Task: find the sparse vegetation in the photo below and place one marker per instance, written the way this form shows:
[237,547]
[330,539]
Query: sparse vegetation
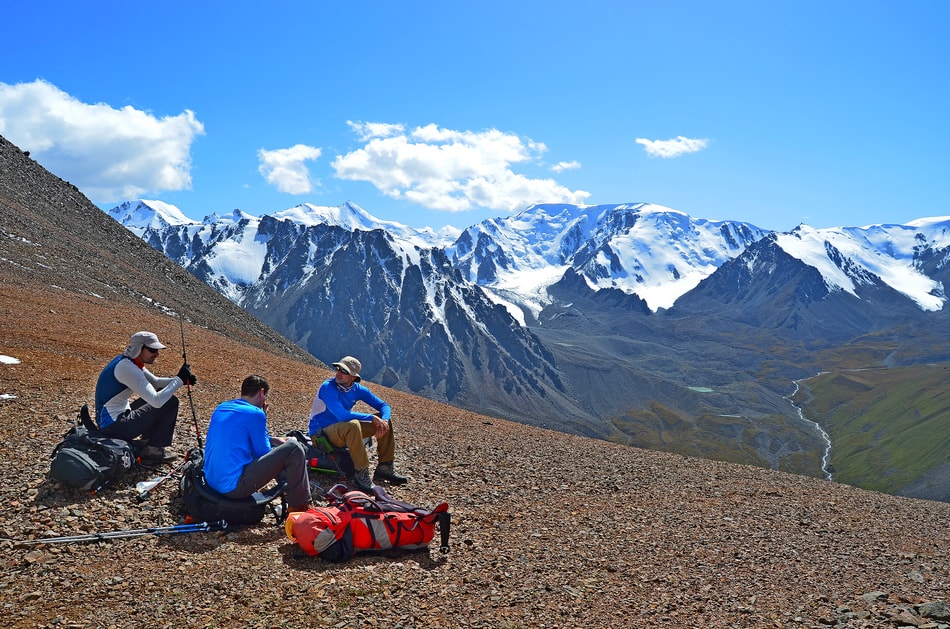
[889,427]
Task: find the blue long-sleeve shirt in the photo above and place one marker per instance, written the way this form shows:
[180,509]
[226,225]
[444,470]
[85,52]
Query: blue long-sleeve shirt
[237,435]
[334,404]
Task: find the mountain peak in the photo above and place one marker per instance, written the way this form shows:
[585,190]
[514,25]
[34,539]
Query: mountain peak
[144,213]
[349,216]
[943,221]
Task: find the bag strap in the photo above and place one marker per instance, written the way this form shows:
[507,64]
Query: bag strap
[445,522]
[388,503]
[341,496]
[85,419]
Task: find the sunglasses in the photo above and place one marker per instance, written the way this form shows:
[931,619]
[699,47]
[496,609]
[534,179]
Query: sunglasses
[154,351]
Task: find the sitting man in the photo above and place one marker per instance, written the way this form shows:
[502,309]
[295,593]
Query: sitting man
[241,456]
[332,415]
[154,413]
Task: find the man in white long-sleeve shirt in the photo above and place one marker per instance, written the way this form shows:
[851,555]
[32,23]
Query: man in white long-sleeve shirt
[153,415]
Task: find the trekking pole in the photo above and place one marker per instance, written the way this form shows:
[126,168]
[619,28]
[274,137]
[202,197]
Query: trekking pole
[145,487]
[184,357]
[158,530]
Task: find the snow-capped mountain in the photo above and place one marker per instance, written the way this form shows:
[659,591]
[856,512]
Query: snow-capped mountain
[648,250]
[515,315]
[141,216]
[352,217]
[834,283]
[882,285]
[892,255]
[232,250]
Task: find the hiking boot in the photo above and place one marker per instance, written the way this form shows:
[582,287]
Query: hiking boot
[155,453]
[362,481]
[386,472]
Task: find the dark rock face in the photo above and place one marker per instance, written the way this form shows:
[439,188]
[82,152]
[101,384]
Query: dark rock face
[412,321]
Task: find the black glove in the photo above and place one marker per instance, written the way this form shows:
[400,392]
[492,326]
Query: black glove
[186,376]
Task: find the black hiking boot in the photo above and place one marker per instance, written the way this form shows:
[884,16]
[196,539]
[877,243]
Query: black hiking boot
[386,472]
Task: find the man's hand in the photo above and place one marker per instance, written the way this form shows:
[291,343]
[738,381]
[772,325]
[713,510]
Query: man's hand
[186,376]
[381,425]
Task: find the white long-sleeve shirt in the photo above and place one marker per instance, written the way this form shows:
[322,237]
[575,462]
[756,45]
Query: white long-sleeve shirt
[120,379]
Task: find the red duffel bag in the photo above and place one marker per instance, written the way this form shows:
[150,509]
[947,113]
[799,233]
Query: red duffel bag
[356,522]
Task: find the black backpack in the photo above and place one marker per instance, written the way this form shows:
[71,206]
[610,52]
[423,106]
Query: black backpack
[88,460]
[204,504]
[324,457]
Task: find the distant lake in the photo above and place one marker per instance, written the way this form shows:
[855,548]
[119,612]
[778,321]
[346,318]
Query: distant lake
[700,389]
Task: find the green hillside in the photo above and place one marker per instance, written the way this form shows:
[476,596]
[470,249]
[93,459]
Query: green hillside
[889,428]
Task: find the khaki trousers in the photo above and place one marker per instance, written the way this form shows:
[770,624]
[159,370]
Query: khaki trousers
[350,434]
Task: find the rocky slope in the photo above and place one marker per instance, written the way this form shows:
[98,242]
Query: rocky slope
[549,529]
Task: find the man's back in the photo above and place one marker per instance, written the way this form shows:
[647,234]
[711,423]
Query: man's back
[237,434]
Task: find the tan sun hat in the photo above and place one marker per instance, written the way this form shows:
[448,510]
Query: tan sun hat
[140,340]
[349,365]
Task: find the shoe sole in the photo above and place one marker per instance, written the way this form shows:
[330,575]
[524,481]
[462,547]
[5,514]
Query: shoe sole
[388,481]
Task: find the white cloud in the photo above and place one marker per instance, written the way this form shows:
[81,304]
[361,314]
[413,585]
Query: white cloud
[368,130]
[560,167]
[445,169]
[672,148]
[110,154]
[286,169]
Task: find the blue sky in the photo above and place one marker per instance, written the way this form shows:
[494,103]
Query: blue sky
[435,113]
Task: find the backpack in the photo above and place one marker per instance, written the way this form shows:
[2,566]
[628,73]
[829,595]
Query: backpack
[204,504]
[88,460]
[356,522]
[324,457]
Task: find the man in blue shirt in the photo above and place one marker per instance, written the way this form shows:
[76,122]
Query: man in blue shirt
[240,455]
[332,414]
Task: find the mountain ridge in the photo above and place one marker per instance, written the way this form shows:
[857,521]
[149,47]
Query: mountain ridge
[900,242]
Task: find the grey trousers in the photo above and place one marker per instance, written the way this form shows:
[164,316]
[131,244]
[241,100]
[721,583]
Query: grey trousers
[287,461]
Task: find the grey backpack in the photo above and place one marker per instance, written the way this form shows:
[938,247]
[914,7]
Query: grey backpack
[88,460]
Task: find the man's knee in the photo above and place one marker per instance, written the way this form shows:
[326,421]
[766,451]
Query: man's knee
[170,408]
[301,449]
[342,433]
[290,446]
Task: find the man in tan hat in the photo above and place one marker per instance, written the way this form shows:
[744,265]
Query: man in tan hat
[154,413]
[332,414]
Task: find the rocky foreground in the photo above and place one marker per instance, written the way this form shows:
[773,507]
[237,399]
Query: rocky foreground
[549,530]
